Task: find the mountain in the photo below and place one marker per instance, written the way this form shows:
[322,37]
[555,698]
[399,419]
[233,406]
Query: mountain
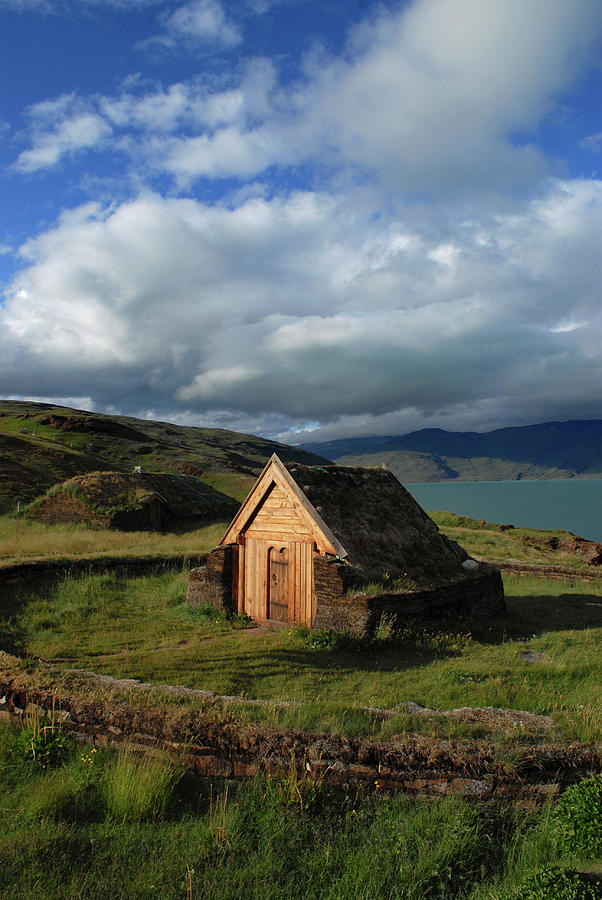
[42,445]
[549,450]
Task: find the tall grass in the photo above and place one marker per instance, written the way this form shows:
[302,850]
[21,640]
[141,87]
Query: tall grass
[23,541]
[62,837]
[137,786]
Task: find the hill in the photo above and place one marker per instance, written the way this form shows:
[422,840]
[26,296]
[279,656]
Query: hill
[42,445]
[548,450]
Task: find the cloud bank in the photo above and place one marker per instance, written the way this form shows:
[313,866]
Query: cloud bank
[386,244]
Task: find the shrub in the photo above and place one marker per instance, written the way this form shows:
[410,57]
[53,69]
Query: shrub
[385,628]
[42,740]
[299,790]
[328,639]
[578,815]
[557,883]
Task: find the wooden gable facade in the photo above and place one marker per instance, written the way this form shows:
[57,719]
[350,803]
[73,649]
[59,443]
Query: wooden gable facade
[275,536]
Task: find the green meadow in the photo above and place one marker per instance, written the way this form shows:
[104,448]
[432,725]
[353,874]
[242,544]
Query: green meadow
[101,823]
[142,628]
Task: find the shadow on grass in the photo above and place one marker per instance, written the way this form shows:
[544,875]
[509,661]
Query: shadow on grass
[537,614]
[239,673]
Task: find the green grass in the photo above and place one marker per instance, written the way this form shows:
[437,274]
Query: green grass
[142,627]
[489,543]
[62,840]
[233,484]
[26,541]
[136,787]
[22,540]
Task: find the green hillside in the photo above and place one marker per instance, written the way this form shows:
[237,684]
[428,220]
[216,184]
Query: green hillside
[42,445]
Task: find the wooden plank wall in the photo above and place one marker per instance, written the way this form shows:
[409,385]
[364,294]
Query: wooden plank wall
[255,577]
[256,553]
[276,519]
[277,523]
[303,582]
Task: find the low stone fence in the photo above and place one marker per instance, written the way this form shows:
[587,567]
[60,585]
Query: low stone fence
[477,595]
[215,747]
[129,565]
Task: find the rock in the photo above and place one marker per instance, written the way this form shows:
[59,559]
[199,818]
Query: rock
[530,656]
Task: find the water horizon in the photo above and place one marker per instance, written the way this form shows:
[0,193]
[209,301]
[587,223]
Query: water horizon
[566,504]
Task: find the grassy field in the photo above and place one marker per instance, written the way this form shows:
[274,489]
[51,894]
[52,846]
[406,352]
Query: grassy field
[106,825]
[142,627]
[23,541]
[488,542]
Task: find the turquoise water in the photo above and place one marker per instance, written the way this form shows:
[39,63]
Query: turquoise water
[573,505]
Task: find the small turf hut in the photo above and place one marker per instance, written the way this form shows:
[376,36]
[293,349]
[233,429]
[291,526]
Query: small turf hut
[137,501]
[335,546]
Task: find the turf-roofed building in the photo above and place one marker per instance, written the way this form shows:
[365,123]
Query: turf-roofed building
[335,546]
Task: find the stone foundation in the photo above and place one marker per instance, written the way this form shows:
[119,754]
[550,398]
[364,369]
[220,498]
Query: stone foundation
[477,595]
[212,583]
[340,603]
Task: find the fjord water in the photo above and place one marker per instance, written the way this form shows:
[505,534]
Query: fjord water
[573,504]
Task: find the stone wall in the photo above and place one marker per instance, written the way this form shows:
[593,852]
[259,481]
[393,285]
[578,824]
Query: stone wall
[337,605]
[130,565]
[215,748]
[212,584]
[477,595]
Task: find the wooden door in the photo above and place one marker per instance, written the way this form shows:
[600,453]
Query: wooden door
[278,584]
[274,584]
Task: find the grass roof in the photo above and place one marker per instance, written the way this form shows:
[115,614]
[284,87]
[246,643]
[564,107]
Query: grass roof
[110,492]
[378,522]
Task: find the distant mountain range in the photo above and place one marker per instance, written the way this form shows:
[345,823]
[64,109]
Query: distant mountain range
[549,450]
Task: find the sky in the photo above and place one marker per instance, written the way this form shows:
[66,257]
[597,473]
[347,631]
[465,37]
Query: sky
[307,220]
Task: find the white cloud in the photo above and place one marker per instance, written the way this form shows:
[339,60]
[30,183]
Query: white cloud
[430,96]
[196,23]
[60,127]
[425,100]
[291,310]
[592,142]
[354,304]
[205,21]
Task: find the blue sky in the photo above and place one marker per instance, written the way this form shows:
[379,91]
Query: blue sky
[311,219]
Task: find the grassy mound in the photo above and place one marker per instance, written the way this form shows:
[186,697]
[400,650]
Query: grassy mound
[132,501]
